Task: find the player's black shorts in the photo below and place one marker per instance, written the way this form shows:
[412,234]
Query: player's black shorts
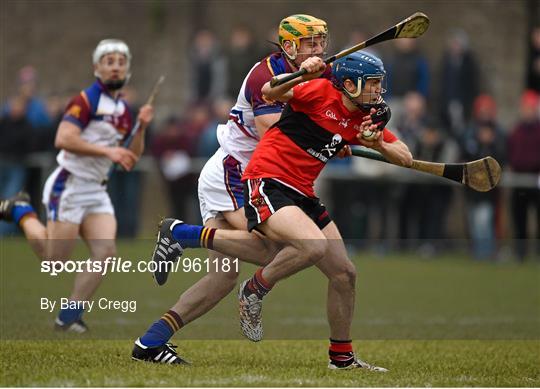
[264,196]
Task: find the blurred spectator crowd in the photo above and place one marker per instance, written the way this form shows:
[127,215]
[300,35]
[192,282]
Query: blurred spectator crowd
[444,116]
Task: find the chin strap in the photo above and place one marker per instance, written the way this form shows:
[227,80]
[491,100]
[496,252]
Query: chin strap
[292,57]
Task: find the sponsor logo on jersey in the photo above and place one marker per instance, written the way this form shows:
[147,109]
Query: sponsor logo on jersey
[342,122]
[328,151]
[317,155]
[331,114]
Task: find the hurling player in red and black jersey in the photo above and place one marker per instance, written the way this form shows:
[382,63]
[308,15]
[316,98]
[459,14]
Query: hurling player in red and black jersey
[320,120]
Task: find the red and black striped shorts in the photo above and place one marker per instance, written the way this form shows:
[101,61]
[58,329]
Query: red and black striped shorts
[264,196]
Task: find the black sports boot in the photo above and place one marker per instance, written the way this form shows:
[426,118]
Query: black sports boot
[162,354]
[167,250]
[6,206]
[347,361]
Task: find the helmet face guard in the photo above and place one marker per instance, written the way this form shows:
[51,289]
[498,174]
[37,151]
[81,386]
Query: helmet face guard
[108,46]
[296,53]
[298,27]
[360,67]
[372,98]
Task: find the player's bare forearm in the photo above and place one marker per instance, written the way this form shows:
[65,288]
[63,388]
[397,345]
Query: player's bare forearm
[146,114]
[137,145]
[397,152]
[68,137]
[281,92]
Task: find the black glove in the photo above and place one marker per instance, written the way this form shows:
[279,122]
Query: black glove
[382,116]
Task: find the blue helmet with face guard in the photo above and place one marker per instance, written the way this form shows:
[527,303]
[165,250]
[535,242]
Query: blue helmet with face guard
[357,67]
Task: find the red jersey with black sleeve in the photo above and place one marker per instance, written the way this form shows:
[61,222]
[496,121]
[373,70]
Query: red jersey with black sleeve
[314,126]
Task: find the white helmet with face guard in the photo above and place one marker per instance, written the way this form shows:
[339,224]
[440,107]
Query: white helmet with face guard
[107,46]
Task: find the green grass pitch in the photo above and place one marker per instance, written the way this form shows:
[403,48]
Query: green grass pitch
[442,322]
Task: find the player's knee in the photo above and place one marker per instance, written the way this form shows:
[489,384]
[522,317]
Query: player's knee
[229,278]
[314,250]
[350,274]
[226,279]
[346,277]
[271,250]
[103,250]
[58,250]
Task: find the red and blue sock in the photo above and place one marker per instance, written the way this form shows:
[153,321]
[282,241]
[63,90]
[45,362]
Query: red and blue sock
[162,330]
[189,235]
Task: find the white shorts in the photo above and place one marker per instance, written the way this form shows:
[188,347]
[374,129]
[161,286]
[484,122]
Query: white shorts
[220,186]
[68,198]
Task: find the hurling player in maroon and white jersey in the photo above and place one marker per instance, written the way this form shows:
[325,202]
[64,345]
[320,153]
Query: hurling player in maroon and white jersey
[75,196]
